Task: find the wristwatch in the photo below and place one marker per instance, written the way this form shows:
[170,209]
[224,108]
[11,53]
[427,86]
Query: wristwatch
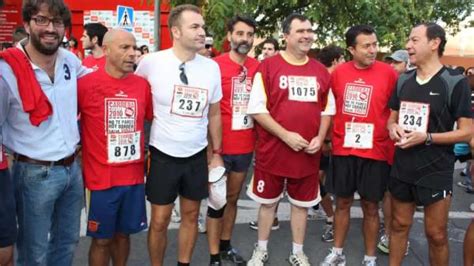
[429,139]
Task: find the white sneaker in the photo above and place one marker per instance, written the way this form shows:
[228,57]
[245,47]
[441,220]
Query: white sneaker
[369,263]
[201,224]
[356,196]
[298,259]
[175,218]
[259,257]
[316,214]
[333,259]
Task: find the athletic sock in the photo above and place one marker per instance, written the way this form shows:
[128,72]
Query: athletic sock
[183,263]
[338,251]
[369,258]
[297,248]
[224,245]
[215,258]
[262,244]
[330,220]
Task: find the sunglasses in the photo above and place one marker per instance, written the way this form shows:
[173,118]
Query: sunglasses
[243,74]
[182,74]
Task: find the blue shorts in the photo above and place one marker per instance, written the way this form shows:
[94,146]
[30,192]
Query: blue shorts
[237,162]
[8,228]
[117,210]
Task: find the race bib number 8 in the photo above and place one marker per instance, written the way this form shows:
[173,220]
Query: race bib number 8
[302,89]
[414,116]
[188,101]
[123,147]
[359,135]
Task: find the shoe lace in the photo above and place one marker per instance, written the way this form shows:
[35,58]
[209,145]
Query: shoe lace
[300,259]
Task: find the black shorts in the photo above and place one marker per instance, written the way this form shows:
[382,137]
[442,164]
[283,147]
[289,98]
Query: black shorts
[237,162]
[368,177]
[324,162]
[421,196]
[170,176]
[8,227]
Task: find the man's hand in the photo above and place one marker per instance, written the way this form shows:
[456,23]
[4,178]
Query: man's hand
[215,161]
[295,141]
[314,146]
[411,139]
[396,132]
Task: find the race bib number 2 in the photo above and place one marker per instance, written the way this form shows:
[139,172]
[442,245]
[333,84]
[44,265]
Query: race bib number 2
[188,101]
[359,135]
[414,116]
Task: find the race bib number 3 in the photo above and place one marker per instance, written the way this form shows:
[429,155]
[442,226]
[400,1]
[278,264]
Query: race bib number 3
[188,101]
[357,99]
[123,147]
[302,89]
[240,101]
[414,116]
[359,135]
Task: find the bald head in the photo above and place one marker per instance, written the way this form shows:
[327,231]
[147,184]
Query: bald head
[119,49]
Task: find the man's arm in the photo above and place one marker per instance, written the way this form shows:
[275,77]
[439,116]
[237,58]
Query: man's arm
[215,135]
[396,133]
[4,107]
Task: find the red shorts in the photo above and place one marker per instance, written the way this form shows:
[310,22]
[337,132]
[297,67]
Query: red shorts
[266,188]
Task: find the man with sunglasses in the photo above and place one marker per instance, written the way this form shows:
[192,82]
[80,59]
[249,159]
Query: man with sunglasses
[289,93]
[238,136]
[41,129]
[186,90]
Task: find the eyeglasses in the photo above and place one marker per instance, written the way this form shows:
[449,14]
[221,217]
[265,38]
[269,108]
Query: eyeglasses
[243,74]
[44,21]
[182,74]
[207,46]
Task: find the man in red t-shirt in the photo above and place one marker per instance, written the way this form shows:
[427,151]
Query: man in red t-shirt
[114,103]
[92,39]
[362,149]
[238,136]
[8,227]
[288,95]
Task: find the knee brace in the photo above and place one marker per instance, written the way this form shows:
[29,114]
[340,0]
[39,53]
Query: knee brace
[216,214]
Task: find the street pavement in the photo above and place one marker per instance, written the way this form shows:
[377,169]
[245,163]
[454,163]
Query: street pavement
[280,240]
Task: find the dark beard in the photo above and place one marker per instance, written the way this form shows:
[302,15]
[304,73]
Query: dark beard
[241,48]
[46,50]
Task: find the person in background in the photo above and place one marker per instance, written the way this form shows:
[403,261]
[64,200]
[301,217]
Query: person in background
[92,38]
[73,47]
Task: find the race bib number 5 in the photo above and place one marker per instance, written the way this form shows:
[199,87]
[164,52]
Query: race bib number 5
[414,116]
[359,135]
[188,101]
[240,100]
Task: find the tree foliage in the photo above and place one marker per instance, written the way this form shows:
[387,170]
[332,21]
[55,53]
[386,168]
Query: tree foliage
[392,19]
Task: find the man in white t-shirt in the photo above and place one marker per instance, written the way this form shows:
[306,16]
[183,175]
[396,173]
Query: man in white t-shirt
[186,92]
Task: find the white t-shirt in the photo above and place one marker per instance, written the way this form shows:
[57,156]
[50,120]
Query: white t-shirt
[180,111]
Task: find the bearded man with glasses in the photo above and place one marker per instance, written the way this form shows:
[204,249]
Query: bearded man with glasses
[38,103]
[186,92]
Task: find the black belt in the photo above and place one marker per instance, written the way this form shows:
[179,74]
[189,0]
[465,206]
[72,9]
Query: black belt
[67,161]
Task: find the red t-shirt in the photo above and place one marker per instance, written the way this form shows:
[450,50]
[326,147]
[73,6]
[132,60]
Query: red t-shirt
[362,97]
[112,128]
[238,136]
[279,78]
[3,159]
[94,63]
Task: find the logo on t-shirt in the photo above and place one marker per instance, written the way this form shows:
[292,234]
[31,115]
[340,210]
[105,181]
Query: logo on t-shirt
[357,99]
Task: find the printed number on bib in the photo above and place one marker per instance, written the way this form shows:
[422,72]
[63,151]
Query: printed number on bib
[414,116]
[188,101]
[123,147]
[359,135]
[240,101]
[302,89]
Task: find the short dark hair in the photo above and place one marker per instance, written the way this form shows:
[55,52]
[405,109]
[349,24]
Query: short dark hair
[355,31]
[434,31]
[96,30]
[19,34]
[57,8]
[175,13]
[271,41]
[244,19]
[330,53]
[75,41]
[286,25]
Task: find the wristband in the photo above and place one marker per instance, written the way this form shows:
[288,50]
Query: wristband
[429,139]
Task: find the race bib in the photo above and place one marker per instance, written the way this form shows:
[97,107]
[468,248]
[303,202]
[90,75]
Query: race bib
[240,101]
[414,116]
[357,99]
[302,89]
[123,139]
[359,135]
[188,101]
[123,147]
